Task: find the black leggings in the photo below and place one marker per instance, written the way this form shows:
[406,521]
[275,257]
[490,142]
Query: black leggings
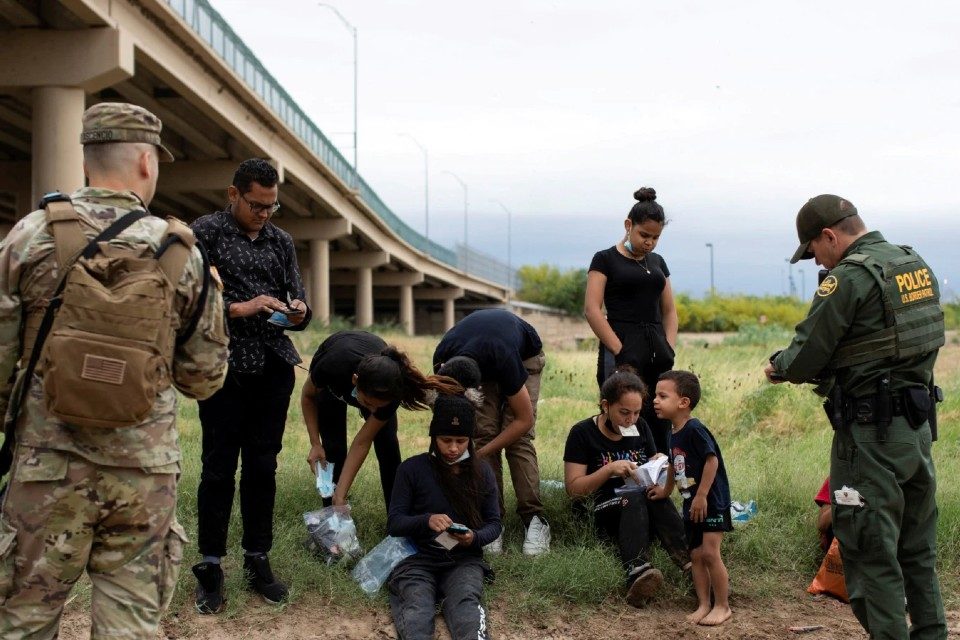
[332,422]
[632,521]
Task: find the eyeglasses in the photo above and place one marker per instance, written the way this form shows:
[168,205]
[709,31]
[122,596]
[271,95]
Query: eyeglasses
[258,207]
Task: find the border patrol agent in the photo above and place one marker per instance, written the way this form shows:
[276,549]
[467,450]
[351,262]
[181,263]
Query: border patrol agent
[99,498]
[870,340]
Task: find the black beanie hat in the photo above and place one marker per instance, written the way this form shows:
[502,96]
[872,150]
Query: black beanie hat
[453,415]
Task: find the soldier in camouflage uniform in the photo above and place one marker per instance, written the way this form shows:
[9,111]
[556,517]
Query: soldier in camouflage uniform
[870,341]
[100,500]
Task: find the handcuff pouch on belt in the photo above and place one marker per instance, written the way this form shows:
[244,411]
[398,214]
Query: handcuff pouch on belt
[916,404]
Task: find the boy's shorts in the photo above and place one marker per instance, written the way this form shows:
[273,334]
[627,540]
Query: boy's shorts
[714,522]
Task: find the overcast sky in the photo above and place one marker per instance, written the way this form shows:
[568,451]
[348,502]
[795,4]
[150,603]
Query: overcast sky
[736,112]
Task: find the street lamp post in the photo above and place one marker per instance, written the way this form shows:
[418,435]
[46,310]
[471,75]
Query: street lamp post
[466,248]
[803,283]
[709,245]
[426,185]
[353,32]
[790,280]
[509,252]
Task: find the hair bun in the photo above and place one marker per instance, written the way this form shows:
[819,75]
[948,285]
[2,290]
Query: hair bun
[645,194]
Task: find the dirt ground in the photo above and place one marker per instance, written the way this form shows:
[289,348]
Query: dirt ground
[306,621]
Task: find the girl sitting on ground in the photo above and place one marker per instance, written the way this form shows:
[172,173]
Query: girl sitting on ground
[446,502]
[602,451]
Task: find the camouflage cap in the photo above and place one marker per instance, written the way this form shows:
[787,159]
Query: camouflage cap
[122,122]
[819,213]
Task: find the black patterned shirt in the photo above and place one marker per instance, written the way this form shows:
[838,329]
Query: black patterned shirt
[249,268]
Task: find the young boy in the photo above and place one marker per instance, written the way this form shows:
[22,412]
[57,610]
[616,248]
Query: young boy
[697,470]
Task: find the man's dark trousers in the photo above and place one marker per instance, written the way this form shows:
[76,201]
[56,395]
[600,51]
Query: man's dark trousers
[244,420]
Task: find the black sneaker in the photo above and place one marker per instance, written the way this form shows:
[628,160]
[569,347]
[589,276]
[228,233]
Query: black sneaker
[646,583]
[210,597]
[260,579]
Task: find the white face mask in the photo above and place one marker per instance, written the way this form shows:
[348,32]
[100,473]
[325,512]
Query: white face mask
[463,456]
[629,431]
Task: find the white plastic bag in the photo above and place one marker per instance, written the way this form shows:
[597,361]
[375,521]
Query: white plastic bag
[375,567]
[332,535]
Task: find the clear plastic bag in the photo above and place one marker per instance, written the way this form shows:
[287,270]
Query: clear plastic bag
[375,567]
[332,535]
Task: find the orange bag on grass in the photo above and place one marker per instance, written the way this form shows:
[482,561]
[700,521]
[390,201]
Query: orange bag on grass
[830,579]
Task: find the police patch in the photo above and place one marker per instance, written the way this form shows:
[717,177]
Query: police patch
[828,286]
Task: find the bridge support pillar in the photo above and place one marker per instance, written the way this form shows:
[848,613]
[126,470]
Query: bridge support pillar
[448,314]
[320,280]
[406,308]
[56,150]
[364,297]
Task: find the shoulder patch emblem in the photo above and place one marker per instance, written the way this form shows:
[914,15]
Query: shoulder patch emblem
[828,286]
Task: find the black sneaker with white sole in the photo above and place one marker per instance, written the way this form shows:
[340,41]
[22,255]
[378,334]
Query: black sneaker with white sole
[261,579]
[210,596]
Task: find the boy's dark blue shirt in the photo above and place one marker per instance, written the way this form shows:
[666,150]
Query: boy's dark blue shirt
[689,449]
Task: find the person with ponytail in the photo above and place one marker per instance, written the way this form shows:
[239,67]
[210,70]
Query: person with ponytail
[633,284]
[602,451]
[359,369]
[446,502]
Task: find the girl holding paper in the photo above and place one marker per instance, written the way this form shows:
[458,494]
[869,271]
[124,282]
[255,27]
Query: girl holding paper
[601,453]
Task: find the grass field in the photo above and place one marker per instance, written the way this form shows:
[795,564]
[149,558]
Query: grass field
[775,442]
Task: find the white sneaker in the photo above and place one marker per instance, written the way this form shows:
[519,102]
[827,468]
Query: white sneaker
[494,547]
[537,540]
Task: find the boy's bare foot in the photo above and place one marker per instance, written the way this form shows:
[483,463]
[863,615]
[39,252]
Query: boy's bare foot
[717,616]
[699,614]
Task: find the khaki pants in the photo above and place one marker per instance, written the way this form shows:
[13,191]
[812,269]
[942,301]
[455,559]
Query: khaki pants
[492,418]
[62,515]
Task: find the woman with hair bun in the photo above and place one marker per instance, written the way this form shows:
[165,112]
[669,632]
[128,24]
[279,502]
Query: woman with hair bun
[633,284]
[359,369]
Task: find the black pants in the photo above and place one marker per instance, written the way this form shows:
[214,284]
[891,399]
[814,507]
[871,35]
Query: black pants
[418,583]
[645,348]
[632,522]
[332,422]
[245,419]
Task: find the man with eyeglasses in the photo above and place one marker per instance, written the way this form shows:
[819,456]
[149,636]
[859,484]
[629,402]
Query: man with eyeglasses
[263,293]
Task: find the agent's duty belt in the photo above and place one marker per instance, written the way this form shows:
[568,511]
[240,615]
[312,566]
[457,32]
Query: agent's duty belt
[866,410]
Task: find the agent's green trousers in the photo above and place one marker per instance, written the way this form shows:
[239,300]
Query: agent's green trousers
[888,543]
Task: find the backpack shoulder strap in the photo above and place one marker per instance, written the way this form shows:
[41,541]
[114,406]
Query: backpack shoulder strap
[68,236]
[174,250]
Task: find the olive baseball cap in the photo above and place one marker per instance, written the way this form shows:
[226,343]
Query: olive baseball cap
[819,213]
[122,122]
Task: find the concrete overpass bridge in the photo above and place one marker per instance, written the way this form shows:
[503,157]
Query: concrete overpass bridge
[219,105]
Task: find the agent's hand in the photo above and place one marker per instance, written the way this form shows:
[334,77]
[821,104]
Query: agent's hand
[772,376]
[656,492]
[464,539]
[698,509]
[439,522]
[621,468]
[317,454]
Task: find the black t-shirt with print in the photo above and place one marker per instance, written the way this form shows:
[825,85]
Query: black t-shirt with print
[336,360]
[587,445]
[631,294]
[689,450]
[498,340]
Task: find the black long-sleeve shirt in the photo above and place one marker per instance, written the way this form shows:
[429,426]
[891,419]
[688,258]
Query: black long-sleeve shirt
[417,495]
[248,268]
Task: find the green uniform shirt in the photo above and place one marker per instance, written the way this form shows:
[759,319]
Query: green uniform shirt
[850,305]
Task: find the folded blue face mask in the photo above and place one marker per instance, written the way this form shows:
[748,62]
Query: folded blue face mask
[354,394]
[628,246]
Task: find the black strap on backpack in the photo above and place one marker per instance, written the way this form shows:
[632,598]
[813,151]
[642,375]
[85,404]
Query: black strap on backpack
[111,232]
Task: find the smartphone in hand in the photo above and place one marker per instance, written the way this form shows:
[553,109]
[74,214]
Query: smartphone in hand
[458,528]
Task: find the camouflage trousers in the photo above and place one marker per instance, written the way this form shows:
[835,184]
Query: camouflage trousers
[62,515]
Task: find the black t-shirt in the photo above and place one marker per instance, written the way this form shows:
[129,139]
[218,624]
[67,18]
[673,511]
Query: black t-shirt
[336,361]
[587,445]
[498,340]
[689,449]
[631,294]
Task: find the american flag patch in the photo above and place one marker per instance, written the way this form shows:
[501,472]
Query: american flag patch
[100,369]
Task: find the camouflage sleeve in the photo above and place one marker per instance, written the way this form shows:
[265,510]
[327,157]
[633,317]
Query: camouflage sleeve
[834,307]
[200,361]
[10,313]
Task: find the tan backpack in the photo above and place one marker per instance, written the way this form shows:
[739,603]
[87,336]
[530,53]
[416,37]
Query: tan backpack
[106,337]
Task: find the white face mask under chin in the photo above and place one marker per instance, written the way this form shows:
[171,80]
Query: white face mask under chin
[629,431]
[463,456]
